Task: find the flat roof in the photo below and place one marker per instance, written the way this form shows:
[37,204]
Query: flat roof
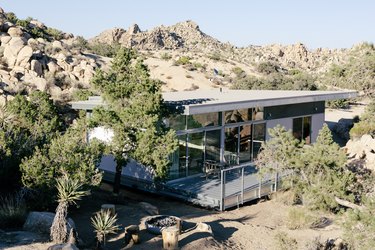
[205,101]
[215,100]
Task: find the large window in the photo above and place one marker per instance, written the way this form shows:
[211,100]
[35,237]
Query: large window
[242,143]
[302,129]
[203,120]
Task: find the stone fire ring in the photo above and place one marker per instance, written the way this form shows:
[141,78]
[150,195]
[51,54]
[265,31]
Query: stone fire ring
[156,224]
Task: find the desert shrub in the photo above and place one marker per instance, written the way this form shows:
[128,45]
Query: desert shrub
[357,72]
[285,242]
[54,33]
[104,223]
[366,124]
[82,94]
[183,60]
[267,67]
[338,104]
[169,77]
[165,56]
[103,49]
[11,17]
[359,226]
[189,76]
[298,217]
[216,56]
[12,210]
[239,72]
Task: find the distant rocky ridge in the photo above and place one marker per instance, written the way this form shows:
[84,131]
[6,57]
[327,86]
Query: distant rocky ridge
[60,67]
[181,35]
[187,36]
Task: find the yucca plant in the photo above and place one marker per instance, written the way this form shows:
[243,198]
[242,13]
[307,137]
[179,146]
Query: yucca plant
[104,223]
[68,193]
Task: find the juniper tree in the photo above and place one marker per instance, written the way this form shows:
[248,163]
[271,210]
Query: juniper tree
[279,154]
[134,111]
[25,124]
[328,176]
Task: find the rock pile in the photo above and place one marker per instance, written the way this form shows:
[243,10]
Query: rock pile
[362,149]
[28,63]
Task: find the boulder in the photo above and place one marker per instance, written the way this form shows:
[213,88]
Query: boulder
[38,24]
[7,26]
[13,48]
[15,32]
[37,67]
[148,208]
[24,55]
[4,40]
[41,222]
[53,67]
[203,227]
[57,44]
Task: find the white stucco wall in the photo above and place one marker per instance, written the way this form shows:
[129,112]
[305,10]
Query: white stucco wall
[101,133]
[287,123]
[317,122]
[132,169]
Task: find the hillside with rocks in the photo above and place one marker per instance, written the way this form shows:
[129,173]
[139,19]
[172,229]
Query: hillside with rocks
[182,56]
[29,62]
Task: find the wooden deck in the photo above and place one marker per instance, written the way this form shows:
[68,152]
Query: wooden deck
[209,192]
[239,185]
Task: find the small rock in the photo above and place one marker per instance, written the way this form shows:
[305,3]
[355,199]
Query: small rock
[203,227]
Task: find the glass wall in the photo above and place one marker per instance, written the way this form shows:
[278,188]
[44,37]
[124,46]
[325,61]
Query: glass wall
[231,145]
[212,147]
[259,136]
[238,115]
[203,120]
[202,139]
[245,143]
[196,153]
[302,129]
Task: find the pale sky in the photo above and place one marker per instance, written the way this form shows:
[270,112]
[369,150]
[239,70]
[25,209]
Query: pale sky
[316,23]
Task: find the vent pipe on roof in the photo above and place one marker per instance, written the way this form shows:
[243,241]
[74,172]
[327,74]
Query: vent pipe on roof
[221,90]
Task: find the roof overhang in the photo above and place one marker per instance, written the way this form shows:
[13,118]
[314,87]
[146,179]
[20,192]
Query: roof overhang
[199,102]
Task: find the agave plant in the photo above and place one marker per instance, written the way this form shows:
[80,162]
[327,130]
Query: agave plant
[68,193]
[104,223]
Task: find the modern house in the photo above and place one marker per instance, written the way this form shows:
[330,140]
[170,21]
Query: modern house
[220,132]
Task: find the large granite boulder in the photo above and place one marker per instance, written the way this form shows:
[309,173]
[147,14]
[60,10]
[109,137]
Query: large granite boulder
[41,222]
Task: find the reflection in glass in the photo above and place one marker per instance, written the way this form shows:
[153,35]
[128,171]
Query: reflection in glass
[240,115]
[297,128]
[306,134]
[231,145]
[258,113]
[196,153]
[203,120]
[245,144]
[259,136]
[212,148]
[302,129]
[177,122]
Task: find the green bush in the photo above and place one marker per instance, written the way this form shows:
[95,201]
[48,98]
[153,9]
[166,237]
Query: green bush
[165,56]
[82,94]
[267,67]
[338,104]
[103,49]
[239,72]
[183,60]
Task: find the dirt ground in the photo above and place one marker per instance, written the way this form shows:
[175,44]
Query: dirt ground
[253,226]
